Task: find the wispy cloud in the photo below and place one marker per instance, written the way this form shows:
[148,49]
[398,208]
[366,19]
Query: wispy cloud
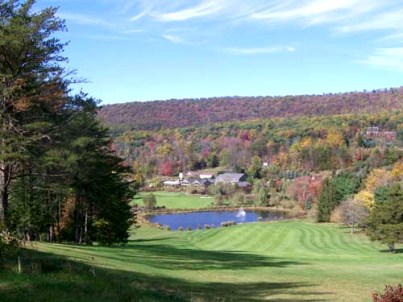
[380,21]
[174,39]
[259,50]
[84,19]
[203,9]
[386,58]
[343,16]
[139,15]
[314,12]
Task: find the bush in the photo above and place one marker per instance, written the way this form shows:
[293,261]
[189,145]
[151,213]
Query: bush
[150,201]
[9,245]
[228,223]
[390,294]
[238,198]
[189,228]
[180,228]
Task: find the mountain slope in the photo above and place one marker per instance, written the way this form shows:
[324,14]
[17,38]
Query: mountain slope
[192,112]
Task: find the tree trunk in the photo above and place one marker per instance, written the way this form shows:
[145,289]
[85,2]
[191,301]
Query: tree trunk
[4,183]
[391,246]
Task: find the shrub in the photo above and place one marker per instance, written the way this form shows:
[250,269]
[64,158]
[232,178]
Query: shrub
[390,294]
[150,201]
[9,245]
[180,228]
[238,198]
[189,228]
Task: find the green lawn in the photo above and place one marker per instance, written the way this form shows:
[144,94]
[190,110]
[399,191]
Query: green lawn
[282,261]
[177,200]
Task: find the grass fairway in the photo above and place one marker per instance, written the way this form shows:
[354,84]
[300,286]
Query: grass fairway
[177,200]
[282,261]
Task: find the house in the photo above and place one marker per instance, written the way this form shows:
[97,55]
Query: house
[188,181]
[232,178]
[172,183]
[372,131]
[202,182]
[196,182]
[389,135]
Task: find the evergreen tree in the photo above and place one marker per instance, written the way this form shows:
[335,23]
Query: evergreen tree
[32,87]
[385,222]
[334,190]
[327,201]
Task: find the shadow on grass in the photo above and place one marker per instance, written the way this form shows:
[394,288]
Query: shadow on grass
[46,277]
[396,251]
[171,257]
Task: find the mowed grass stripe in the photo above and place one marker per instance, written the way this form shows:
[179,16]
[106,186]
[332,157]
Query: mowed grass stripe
[226,235]
[237,237]
[259,241]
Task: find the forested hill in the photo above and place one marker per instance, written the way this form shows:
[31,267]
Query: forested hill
[189,112]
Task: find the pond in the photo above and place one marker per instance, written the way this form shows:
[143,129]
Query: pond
[195,219]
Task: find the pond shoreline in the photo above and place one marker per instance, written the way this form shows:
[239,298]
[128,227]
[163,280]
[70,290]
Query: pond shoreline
[144,217]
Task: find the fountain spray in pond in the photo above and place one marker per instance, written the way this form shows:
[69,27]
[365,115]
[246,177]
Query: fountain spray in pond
[241,214]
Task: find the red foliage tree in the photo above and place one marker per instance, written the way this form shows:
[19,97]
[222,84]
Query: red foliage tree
[166,168]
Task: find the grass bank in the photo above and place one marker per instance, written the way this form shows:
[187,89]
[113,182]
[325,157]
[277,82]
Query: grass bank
[177,200]
[282,261]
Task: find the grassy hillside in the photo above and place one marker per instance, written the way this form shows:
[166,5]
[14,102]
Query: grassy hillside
[177,200]
[285,261]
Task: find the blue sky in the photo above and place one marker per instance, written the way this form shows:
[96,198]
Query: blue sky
[143,50]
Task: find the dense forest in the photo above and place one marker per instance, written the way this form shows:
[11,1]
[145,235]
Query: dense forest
[300,144]
[196,112]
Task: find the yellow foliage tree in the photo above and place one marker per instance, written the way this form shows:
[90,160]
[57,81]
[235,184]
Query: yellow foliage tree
[335,139]
[397,171]
[378,178]
[306,142]
[367,198]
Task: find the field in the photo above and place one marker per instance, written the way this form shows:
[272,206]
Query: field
[281,261]
[177,200]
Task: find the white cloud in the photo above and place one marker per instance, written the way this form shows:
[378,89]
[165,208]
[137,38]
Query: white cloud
[386,58]
[84,19]
[314,12]
[139,15]
[379,21]
[203,9]
[172,38]
[260,50]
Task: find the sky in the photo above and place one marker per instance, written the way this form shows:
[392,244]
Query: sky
[145,50]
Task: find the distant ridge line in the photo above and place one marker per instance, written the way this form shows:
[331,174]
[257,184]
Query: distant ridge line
[153,115]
